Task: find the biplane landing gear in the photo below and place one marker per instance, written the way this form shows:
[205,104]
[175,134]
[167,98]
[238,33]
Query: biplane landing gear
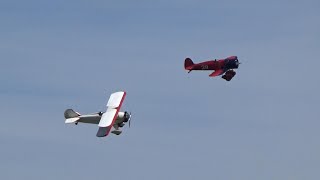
[116,132]
[121,124]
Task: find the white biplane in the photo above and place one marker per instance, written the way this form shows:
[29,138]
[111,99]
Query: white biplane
[112,118]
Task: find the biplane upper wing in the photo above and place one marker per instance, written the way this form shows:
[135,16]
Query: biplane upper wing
[217,73]
[109,117]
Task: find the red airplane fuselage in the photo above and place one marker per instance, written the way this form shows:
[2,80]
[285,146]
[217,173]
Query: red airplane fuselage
[207,65]
[220,66]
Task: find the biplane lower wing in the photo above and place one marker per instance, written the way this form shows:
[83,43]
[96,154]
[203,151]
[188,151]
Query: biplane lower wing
[109,117]
[103,131]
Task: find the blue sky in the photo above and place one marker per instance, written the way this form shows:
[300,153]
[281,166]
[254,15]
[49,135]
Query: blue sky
[263,124]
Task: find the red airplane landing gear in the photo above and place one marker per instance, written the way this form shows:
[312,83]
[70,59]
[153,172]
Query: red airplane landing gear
[229,75]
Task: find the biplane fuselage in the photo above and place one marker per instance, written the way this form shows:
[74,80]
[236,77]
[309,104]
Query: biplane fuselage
[111,119]
[95,118]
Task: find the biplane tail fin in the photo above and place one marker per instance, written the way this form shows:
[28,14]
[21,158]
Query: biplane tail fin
[71,116]
[188,63]
[70,113]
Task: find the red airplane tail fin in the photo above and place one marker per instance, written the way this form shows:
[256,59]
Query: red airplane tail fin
[188,63]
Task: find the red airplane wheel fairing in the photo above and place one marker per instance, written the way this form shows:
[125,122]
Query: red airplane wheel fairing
[229,75]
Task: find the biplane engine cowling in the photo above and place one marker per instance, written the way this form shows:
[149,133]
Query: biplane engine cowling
[120,115]
[123,116]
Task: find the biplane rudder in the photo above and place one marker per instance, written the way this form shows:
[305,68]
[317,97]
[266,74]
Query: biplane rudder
[70,113]
[71,116]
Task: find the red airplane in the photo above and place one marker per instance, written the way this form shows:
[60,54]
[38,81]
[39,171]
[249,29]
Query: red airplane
[221,66]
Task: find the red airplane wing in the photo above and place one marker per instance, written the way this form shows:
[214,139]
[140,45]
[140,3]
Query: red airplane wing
[217,73]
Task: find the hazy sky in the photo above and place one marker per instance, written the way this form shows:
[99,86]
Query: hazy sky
[264,124]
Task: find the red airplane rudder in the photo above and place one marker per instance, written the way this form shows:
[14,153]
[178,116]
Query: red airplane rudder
[188,63]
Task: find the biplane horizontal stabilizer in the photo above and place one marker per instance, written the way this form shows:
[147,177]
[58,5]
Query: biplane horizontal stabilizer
[72,120]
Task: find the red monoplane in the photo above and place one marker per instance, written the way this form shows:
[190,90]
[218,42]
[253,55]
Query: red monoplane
[221,66]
